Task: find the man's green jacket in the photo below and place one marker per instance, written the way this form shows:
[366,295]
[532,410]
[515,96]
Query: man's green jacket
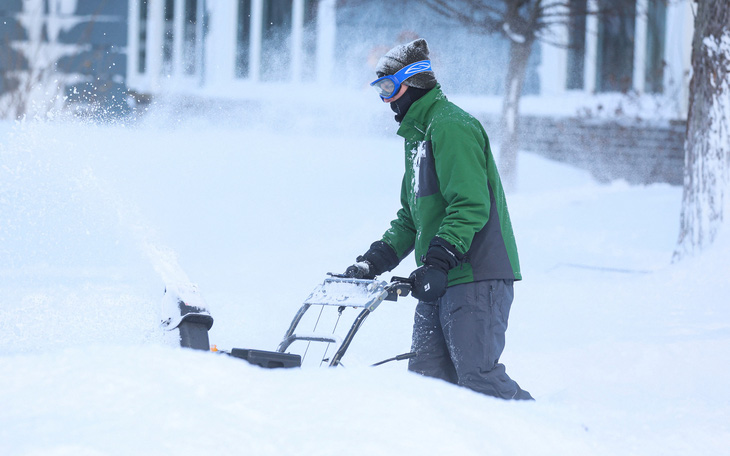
[451,189]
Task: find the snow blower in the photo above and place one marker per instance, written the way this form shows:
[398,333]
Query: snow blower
[185,310]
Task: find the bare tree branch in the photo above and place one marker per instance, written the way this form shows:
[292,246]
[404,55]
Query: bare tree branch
[470,13]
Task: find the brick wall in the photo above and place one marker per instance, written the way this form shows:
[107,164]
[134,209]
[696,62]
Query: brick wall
[638,152]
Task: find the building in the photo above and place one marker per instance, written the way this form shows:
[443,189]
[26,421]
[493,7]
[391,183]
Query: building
[632,63]
[227,48]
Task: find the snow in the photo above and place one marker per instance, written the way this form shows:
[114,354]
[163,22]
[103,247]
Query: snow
[418,153]
[348,293]
[625,352]
[41,88]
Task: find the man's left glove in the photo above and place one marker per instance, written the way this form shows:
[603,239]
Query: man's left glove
[431,279]
[379,258]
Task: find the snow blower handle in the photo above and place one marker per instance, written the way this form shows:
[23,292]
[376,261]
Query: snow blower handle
[398,287]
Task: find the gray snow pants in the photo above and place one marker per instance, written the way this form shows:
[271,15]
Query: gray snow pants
[460,337]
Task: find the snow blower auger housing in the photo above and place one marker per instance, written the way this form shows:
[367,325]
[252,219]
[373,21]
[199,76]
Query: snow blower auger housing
[184,309]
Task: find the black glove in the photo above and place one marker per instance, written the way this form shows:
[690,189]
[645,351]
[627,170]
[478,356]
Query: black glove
[431,279]
[379,258]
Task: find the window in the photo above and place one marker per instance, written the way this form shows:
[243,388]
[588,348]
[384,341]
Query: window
[142,48]
[276,40]
[655,31]
[309,40]
[243,39]
[190,32]
[576,44]
[615,63]
[260,41]
[167,39]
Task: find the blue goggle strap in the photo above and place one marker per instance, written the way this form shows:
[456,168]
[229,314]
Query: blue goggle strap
[414,68]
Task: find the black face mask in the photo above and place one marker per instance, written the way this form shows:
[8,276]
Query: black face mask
[401,105]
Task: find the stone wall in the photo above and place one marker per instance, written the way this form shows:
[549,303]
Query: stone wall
[638,152]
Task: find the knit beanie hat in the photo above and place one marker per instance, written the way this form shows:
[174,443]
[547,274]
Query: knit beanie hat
[403,55]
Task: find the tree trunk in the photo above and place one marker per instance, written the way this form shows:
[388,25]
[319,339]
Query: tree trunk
[519,53]
[706,195]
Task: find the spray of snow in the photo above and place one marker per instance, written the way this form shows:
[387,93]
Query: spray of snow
[40,87]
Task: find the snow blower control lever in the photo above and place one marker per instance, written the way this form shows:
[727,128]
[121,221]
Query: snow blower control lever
[398,287]
[340,292]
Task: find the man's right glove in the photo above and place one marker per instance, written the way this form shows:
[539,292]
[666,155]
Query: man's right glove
[431,279]
[379,258]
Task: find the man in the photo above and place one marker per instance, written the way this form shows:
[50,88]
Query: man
[454,215]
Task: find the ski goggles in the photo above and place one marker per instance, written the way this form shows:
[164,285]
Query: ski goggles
[388,86]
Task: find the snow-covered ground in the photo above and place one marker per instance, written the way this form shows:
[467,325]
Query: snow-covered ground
[625,353]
